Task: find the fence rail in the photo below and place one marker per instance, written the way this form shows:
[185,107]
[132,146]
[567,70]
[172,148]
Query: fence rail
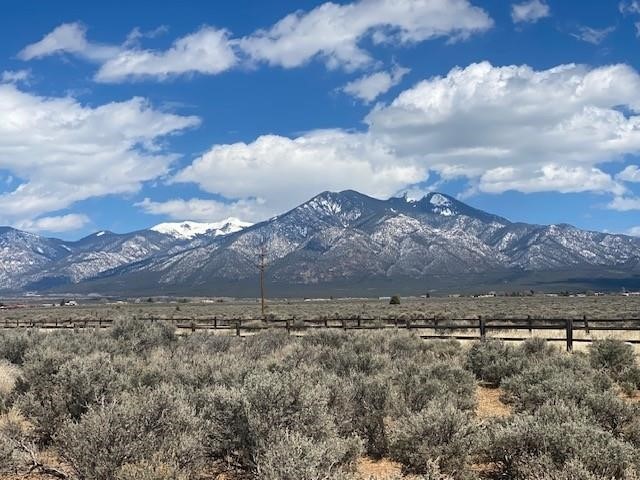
[453,328]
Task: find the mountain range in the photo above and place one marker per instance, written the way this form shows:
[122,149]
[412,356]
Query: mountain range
[338,243]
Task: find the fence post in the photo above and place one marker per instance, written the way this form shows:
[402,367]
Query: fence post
[344,324]
[530,324]
[237,329]
[483,326]
[288,327]
[569,323]
[586,324]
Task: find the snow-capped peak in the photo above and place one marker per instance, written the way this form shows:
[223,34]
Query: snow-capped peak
[188,229]
[441,205]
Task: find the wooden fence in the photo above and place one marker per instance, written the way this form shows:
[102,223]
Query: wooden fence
[453,328]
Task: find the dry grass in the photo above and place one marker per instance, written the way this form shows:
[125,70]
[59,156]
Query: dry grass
[537,306]
[368,469]
[8,376]
[489,403]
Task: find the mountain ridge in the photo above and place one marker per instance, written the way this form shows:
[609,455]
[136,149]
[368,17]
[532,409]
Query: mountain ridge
[332,241]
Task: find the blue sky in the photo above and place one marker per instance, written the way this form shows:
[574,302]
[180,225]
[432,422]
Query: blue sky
[118,116]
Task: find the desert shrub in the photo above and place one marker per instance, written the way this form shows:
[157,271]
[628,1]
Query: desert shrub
[223,416]
[438,433]
[140,336]
[492,360]
[138,426]
[536,347]
[395,300]
[293,456]
[609,411]
[543,468]
[371,400]
[629,380]
[560,433]
[281,400]
[14,345]
[263,345]
[68,392]
[565,377]
[612,355]
[418,385]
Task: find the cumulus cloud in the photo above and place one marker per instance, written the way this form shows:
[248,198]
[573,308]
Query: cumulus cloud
[331,32]
[529,12]
[630,174]
[334,32]
[55,224]
[64,152]
[593,35]
[370,87]
[634,231]
[202,210]
[284,172]
[482,117]
[500,128]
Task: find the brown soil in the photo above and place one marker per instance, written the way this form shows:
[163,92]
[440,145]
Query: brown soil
[489,403]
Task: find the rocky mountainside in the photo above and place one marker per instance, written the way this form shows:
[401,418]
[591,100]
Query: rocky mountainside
[343,243]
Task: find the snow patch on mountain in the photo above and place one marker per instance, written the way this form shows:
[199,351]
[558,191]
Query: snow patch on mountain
[188,230]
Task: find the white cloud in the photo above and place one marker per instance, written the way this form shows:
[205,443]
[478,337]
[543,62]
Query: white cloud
[55,224]
[624,204]
[331,32]
[207,51]
[284,172]
[630,174]
[64,152]
[334,32]
[370,87]
[634,231]
[501,128]
[548,178]
[530,11]
[68,38]
[539,124]
[593,35]
[15,76]
[201,210]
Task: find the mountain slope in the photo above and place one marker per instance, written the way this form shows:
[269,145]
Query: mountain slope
[354,241]
[342,242]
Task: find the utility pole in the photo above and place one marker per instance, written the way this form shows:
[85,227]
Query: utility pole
[262,266]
